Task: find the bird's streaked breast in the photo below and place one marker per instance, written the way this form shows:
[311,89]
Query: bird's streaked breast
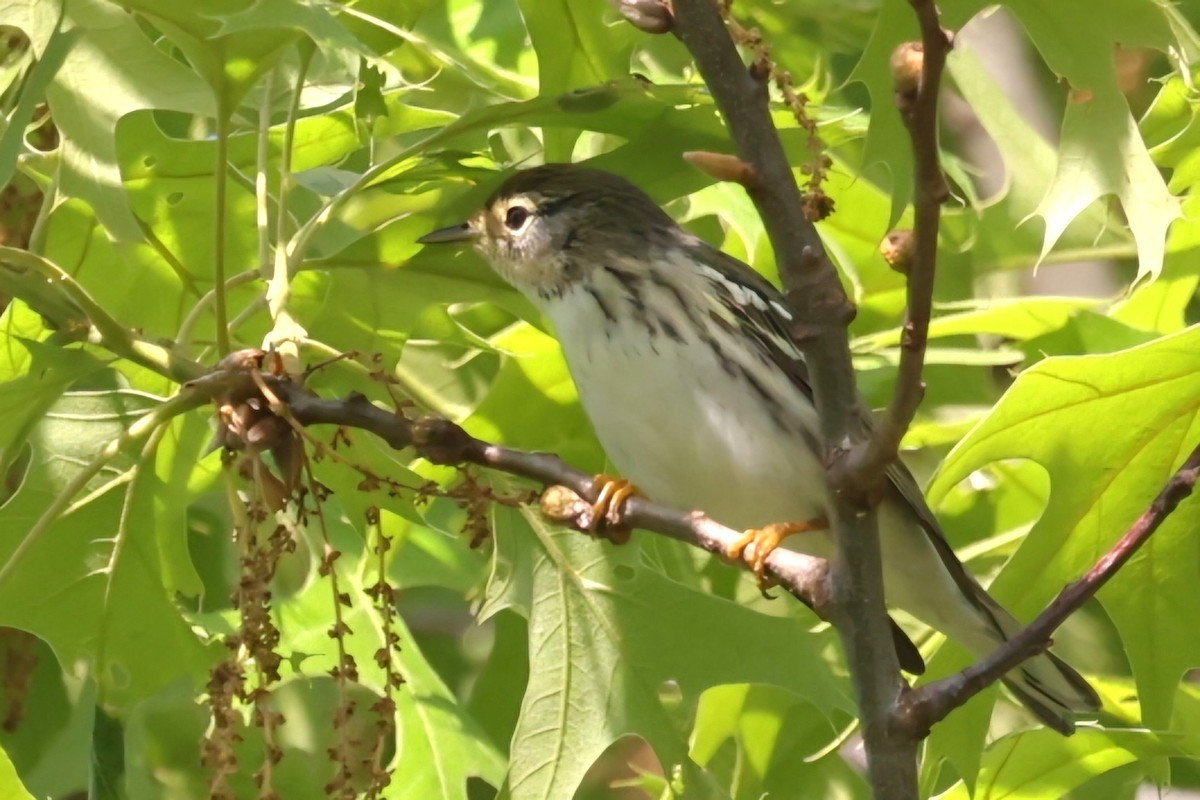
[686,406]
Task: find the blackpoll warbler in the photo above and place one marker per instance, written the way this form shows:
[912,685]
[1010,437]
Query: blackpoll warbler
[685,366]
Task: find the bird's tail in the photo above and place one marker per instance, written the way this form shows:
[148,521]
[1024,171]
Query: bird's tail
[923,576]
[1045,684]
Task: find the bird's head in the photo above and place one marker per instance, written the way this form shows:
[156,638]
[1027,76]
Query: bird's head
[547,227]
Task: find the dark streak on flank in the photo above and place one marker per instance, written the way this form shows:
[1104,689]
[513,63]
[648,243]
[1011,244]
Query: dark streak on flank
[633,288]
[770,402]
[632,284]
[668,286]
[670,330]
[727,363]
[599,298]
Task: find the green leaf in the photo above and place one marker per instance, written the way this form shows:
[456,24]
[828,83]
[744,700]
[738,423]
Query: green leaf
[183,476]
[782,745]
[854,246]
[552,419]
[267,17]
[1086,333]
[162,744]
[115,275]
[424,556]
[113,52]
[496,696]
[960,738]
[886,155]
[1172,127]
[92,586]
[10,783]
[1042,764]
[1110,430]
[377,310]
[40,306]
[1162,306]
[1102,153]
[957,356]
[1101,150]
[229,63]
[1080,58]
[1030,162]
[577,43]
[356,492]
[1018,318]
[576,47]
[107,776]
[40,374]
[169,184]
[12,141]
[608,636]
[57,762]
[36,717]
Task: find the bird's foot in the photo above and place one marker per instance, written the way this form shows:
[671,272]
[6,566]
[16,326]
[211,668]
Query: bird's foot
[766,539]
[608,511]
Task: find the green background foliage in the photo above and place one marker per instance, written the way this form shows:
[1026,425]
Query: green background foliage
[296,150]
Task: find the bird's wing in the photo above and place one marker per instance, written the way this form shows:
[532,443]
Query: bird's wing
[1052,690]
[764,316]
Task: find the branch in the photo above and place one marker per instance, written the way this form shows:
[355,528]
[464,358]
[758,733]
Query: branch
[55,294]
[252,406]
[822,313]
[742,95]
[917,73]
[929,704]
[440,441]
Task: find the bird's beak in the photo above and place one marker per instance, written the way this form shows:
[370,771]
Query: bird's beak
[456,233]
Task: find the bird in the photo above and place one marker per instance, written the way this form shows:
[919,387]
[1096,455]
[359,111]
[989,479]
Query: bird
[700,397]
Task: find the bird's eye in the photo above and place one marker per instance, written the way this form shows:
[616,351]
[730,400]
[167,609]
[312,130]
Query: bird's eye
[516,217]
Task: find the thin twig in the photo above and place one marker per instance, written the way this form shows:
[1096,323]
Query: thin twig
[262,162]
[279,287]
[929,704]
[184,337]
[220,209]
[863,467]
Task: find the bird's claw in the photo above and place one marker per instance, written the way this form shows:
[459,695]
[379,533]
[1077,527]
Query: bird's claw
[765,540]
[608,511]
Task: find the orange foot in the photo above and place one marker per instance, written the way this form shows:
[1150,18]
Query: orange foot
[766,539]
[609,507]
